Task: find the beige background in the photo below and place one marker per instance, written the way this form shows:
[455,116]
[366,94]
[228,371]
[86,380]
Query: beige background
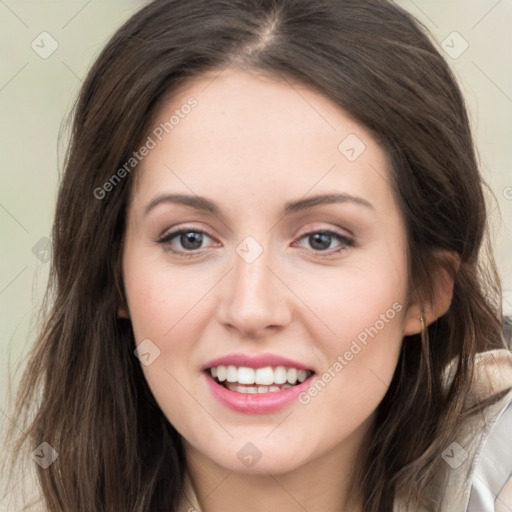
[37,93]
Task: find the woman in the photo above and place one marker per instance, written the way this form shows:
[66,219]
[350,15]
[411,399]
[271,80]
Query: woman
[267,291]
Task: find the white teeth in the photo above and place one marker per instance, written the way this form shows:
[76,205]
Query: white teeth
[255,389]
[263,377]
[221,373]
[291,375]
[246,375]
[280,375]
[231,374]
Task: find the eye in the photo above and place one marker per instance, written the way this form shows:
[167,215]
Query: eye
[321,241]
[184,240]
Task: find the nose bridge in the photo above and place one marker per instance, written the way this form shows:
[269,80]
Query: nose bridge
[255,298]
[252,277]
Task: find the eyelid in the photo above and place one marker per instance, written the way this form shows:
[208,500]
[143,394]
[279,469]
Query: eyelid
[345,240]
[342,232]
[175,231]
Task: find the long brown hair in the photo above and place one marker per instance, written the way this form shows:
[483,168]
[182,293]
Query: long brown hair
[83,391]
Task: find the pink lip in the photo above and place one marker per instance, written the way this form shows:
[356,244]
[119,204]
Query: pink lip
[256,403]
[254,361]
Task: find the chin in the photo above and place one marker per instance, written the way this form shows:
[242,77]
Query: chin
[259,457]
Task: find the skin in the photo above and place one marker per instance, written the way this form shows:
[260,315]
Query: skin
[251,153]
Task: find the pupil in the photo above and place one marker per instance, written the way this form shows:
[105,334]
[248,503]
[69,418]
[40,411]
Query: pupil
[322,239]
[191,240]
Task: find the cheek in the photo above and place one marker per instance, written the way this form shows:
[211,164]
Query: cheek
[365,307]
[166,308]
[360,365]
[356,298]
[160,300]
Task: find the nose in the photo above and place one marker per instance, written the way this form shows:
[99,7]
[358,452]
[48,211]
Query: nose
[255,300]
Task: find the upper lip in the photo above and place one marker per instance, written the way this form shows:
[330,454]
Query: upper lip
[259,361]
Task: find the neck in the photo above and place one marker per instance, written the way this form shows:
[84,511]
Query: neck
[325,483]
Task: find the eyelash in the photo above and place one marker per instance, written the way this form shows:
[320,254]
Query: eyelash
[345,241]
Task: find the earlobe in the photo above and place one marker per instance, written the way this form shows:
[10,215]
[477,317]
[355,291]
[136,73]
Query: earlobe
[417,317]
[414,320]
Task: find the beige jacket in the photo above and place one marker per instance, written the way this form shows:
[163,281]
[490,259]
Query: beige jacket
[478,476]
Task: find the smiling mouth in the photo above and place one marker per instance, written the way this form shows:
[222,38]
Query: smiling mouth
[268,379]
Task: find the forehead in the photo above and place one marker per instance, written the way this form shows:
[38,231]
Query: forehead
[250,133]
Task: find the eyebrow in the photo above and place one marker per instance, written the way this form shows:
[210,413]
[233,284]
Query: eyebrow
[204,204]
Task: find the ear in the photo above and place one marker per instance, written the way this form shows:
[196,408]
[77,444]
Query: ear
[122,309]
[122,312]
[443,293]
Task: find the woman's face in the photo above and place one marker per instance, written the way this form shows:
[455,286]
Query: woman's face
[268,277]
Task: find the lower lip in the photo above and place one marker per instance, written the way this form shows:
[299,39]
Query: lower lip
[256,403]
